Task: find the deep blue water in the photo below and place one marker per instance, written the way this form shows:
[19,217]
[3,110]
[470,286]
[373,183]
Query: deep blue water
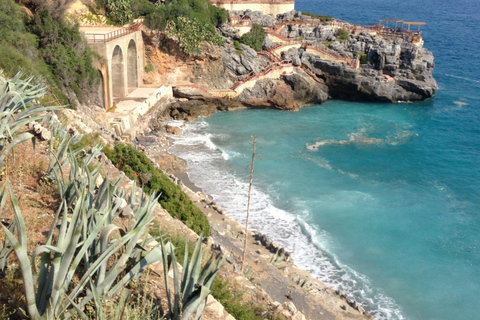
[387,207]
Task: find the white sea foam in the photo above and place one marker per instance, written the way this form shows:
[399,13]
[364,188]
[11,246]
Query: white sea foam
[360,137]
[310,246]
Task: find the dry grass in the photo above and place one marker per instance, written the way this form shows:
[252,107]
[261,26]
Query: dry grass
[38,201]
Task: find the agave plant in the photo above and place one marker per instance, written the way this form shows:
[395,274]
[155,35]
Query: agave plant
[83,246]
[192,290]
[16,110]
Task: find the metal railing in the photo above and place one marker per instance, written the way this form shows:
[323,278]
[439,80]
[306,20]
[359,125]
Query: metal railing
[107,37]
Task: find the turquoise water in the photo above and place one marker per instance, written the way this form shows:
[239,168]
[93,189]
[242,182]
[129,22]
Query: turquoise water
[386,208]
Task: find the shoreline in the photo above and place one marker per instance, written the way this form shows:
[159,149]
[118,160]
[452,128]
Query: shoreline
[312,298]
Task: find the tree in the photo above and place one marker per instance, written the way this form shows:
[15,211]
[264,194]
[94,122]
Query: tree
[120,11]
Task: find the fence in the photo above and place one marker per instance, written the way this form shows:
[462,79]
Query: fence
[106,37]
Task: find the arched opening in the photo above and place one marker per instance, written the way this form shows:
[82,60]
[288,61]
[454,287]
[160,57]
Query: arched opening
[101,90]
[118,85]
[132,66]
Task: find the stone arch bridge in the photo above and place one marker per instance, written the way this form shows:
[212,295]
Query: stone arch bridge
[122,66]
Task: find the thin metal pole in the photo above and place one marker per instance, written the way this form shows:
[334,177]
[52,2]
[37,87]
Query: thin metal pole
[248,204]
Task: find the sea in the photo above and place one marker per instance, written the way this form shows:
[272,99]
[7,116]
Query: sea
[386,206]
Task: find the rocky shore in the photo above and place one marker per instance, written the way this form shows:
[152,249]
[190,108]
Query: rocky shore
[271,274]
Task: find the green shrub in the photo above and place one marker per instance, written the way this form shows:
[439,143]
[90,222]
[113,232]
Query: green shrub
[255,37]
[327,44]
[68,57]
[317,16]
[138,167]
[142,7]
[342,34]
[191,33]
[363,58]
[230,298]
[149,68]
[119,11]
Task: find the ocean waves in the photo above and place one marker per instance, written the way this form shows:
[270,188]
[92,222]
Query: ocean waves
[211,170]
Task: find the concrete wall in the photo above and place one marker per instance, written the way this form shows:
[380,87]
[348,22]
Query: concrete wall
[265,6]
[124,123]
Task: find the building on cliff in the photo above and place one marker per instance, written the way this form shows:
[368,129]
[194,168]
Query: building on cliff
[273,7]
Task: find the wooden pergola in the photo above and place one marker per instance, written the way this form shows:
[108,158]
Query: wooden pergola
[418,24]
[390,20]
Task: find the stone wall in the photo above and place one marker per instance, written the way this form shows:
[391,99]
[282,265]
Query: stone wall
[265,6]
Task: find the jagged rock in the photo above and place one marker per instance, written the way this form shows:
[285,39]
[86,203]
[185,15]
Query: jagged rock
[146,140]
[45,135]
[283,98]
[99,181]
[126,212]
[305,90]
[190,92]
[289,309]
[298,316]
[37,127]
[173,130]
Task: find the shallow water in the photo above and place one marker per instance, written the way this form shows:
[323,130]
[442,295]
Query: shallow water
[380,200]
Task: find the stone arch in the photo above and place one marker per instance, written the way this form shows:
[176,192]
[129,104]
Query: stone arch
[118,84]
[102,90]
[132,71]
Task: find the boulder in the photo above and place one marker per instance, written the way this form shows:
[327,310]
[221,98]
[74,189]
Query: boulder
[191,92]
[173,130]
[283,98]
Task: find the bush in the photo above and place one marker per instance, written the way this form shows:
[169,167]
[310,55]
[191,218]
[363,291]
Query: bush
[342,34]
[142,7]
[68,56]
[255,37]
[119,11]
[363,58]
[191,33]
[138,167]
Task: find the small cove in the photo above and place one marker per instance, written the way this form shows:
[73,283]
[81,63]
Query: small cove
[385,207]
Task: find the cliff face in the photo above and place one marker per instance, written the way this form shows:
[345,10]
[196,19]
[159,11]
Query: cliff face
[392,69]
[397,70]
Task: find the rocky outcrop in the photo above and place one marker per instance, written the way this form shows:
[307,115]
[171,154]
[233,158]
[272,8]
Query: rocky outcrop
[192,109]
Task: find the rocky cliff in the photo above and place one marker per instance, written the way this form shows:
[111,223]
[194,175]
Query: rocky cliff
[393,68]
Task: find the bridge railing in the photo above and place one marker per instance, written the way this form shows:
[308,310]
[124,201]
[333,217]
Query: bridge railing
[107,37]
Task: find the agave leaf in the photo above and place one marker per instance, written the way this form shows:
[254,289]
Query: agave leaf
[43,249]
[156,254]
[198,313]
[77,309]
[193,270]
[97,300]
[104,237]
[166,267]
[26,269]
[194,301]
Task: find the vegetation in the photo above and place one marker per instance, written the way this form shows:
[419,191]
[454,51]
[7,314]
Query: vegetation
[43,44]
[191,33]
[363,58]
[317,16]
[119,11]
[87,261]
[231,298]
[138,167]
[192,21]
[192,290]
[342,34]
[255,37]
